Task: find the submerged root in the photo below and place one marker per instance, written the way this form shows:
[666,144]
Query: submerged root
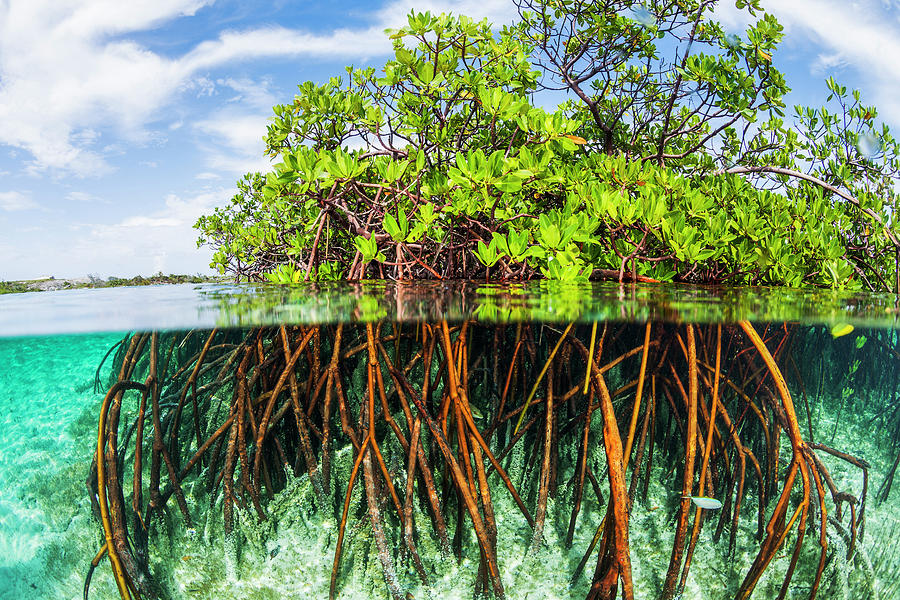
[439,430]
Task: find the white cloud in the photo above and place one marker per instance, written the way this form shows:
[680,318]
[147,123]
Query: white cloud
[827,63]
[499,12]
[232,141]
[201,86]
[232,136]
[142,222]
[85,197]
[249,92]
[68,74]
[139,244]
[58,90]
[734,19]
[233,46]
[13,201]
[77,88]
[234,165]
[863,35]
[237,131]
[98,17]
[163,240]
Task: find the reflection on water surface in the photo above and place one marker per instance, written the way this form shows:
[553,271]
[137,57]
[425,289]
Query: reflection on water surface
[188,306]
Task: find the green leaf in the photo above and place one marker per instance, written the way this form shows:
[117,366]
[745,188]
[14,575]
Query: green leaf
[392,227]
[425,72]
[841,329]
[487,254]
[368,247]
[509,183]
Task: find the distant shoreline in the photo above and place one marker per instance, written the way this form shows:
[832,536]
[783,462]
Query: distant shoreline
[51,284]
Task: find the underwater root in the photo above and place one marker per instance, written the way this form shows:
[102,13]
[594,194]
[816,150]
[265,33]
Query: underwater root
[436,414]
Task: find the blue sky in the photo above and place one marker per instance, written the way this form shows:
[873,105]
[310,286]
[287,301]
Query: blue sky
[122,122]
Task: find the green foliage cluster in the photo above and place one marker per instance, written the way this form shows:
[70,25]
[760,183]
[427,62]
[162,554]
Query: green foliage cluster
[679,168]
[157,279]
[13,287]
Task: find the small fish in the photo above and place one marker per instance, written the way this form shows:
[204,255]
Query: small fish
[839,329]
[706,503]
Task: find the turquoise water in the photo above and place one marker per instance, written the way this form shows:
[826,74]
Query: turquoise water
[846,391]
[47,422]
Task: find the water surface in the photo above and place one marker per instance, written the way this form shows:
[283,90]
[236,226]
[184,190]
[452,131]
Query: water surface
[188,306]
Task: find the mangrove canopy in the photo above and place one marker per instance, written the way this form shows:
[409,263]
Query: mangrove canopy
[672,156]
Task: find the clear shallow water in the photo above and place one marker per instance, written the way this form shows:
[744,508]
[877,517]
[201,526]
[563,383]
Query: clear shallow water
[49,412]
[47,422]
